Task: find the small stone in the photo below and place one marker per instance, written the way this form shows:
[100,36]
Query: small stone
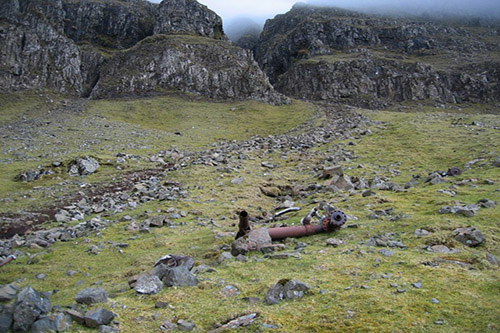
[161,305]
[492,259]
[386,253]
[434,301]
[365,287]
[183,325]
[400,291]
[40,276]
[417,285]
[91,295]
[98,317]
[230,291]
[334,242]
[421,232]
[237,180]
[224,256]
[439,322]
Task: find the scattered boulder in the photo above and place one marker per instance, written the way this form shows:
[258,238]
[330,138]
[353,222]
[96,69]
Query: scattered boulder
[98,317]
[485,203]
[148,284]
[91,295]
[155,221]
[334,242]
[177,276]
[184,325]
[440,249]
[174,260]
[286,289]
[8,292]
[29,306]
[341,182]
[253,241]
[496,162]
[470,236]
[467,211]
[83,166]
[53,323]
[421,232]
[332,171]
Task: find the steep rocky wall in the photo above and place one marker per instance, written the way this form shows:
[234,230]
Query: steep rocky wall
[112,23]
[187,16]
[186,63]
[70,46]
[366,79]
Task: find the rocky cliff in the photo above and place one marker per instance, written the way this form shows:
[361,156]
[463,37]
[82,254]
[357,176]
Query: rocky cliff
[330,54]
[187,63]
[68,46]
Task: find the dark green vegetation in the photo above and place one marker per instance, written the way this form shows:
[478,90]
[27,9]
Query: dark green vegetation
[409,140]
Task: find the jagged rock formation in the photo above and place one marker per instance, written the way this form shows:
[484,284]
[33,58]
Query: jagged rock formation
[69,45]
[185,63]
[188,16]
[332,54]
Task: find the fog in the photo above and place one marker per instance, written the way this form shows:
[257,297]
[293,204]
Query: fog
[489,8]
[240,15]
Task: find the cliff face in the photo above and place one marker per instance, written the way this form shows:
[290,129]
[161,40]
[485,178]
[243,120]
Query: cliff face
[327,54]
[187,16]
[187,63]
[69,46]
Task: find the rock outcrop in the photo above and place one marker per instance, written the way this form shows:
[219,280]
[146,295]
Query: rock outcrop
[332,54]
[73,47]
[187,16]
[193,64]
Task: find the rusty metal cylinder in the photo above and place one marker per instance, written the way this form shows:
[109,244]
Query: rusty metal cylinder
[298,231]
[244,225]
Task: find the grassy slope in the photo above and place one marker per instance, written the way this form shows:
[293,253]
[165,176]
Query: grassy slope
[414,143]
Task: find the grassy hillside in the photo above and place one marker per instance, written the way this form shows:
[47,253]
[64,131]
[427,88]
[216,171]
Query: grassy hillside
[354,286]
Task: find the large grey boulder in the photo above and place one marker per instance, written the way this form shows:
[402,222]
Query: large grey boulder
[470,236]
[98,317]
[253,241]
[30,305]
[148,284]
[179,276]
[91,295]
[286,289]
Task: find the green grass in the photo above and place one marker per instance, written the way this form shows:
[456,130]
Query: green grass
[201,122]
[414,142]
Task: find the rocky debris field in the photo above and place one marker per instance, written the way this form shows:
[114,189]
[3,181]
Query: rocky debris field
[146,240]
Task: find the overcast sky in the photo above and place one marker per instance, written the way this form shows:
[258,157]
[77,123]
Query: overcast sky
[263,9]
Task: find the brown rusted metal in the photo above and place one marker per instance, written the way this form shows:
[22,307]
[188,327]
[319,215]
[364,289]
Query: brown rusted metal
[330,223]
[454,171]
[7,260]
[244,225]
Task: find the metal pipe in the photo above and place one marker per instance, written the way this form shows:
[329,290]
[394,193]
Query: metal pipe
[7,260]
[244,225]
[298,231]
[332,222]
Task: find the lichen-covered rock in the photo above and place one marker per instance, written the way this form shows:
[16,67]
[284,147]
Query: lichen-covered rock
[148,284]
[192,64]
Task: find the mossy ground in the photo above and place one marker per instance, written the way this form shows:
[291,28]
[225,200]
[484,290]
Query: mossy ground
[403,144]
